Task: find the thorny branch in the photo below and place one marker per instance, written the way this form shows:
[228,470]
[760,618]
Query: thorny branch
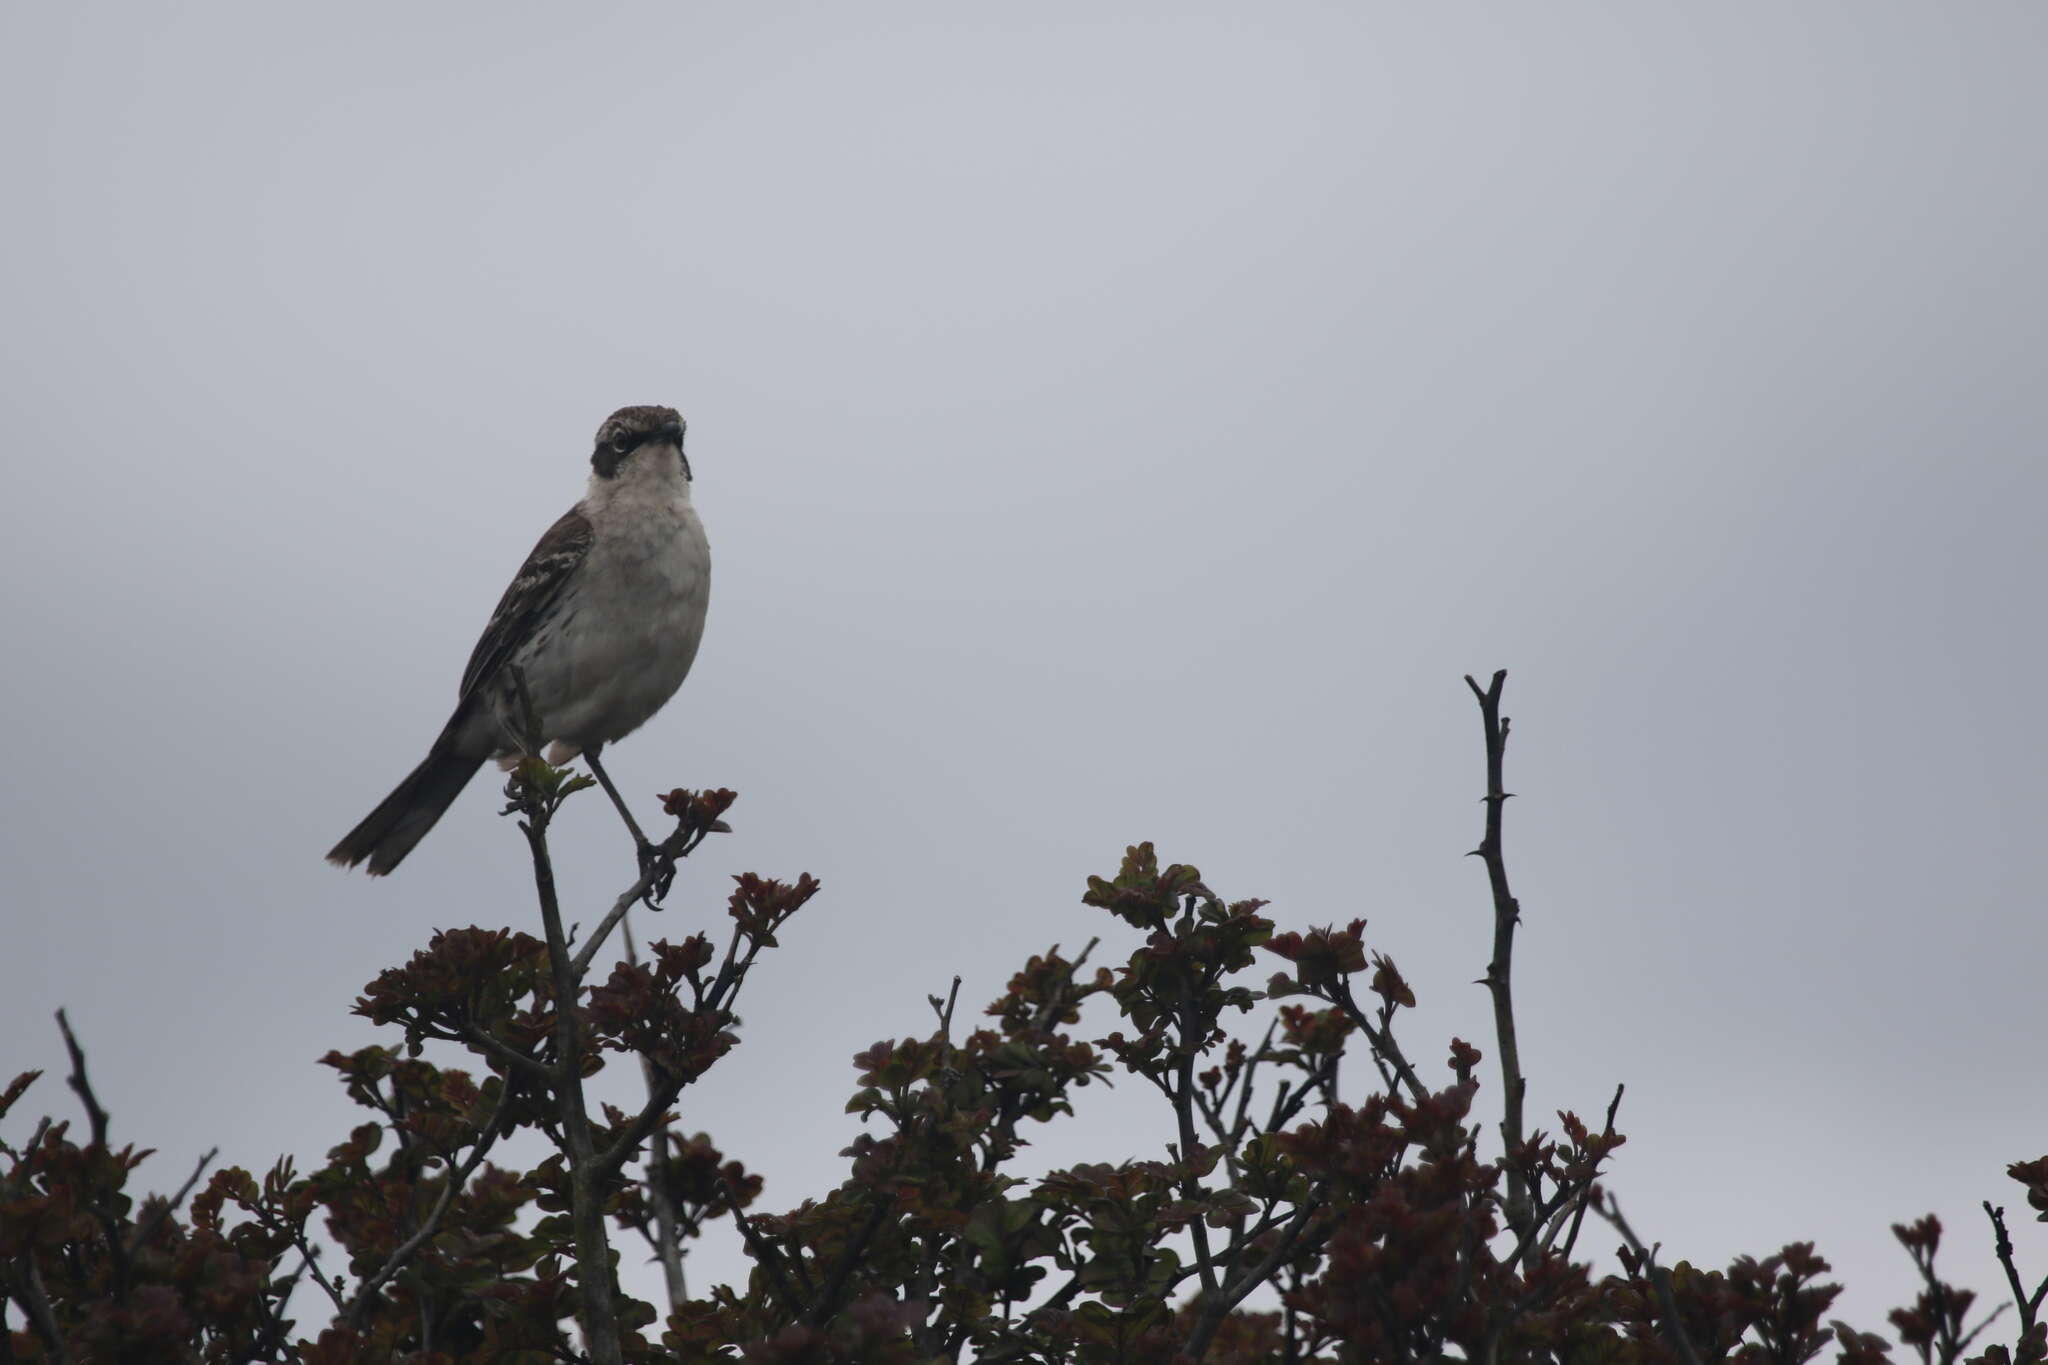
[1507,913]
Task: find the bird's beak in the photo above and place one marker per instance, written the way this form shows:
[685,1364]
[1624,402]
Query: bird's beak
[674,432]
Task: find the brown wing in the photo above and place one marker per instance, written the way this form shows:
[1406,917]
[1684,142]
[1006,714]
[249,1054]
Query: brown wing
[538,583]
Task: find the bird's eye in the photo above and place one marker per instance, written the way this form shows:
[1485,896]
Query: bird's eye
[622,444]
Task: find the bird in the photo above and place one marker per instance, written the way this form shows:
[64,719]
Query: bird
[598,630]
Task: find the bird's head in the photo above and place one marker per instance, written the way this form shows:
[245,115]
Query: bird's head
[639,435]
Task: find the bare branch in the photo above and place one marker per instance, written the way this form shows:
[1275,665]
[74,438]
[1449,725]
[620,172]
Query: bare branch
[944,1008]
[1507,913]
[110,1226]
[2029,1305]
[78,1082]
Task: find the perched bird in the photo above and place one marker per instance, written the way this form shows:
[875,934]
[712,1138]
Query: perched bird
[601,624]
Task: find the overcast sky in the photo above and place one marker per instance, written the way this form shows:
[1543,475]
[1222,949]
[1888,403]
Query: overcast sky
[1112,422]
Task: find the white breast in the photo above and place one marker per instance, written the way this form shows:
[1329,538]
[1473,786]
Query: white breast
[629,623]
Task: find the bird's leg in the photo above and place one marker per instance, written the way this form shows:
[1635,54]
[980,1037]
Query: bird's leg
[640,844]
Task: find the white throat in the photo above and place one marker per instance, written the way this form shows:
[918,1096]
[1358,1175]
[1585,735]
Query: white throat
[653,474]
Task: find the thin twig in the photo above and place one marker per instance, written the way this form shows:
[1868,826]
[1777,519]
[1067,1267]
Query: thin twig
[668,1246]
[309,1263]
[2029,1305]
[626,901]
[78,1082]
[1182,1095]
[148,1226]
[644,1125]
[1585,1196]
[1381,1040]
[1660,1279]
[1217,1306]
[944,1008]
[764,1252]
[110,1226]
[514,1059]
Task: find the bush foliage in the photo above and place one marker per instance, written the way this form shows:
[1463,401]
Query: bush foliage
[1307,1211]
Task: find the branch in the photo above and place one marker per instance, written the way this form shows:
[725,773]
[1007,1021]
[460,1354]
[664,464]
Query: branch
[1507,913]
[1217,1306]
[1660,1279]
[148,1226]
[586,1199]
[764,1252]
[1000,1137]
[117,1245]
[78,1082]
[668,1246]
[515,1061]
[826,1305]
[309,1263]
[657,870]
[2029,1305]
[1380,1039]
[628,898]
[457,1177]
[646,1123]
[1182,1096]
[36,1303]
[1579,1217]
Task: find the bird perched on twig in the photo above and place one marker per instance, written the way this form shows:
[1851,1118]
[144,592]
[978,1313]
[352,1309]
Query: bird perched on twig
[598,629]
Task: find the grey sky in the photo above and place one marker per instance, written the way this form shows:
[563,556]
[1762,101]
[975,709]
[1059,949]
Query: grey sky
[1111,423]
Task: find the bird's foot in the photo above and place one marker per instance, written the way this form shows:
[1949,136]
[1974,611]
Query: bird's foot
[658,872]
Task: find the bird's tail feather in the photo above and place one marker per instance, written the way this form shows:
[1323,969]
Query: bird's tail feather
[403,818]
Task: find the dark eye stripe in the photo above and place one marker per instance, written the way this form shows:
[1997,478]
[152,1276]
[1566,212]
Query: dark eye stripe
[609,455]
